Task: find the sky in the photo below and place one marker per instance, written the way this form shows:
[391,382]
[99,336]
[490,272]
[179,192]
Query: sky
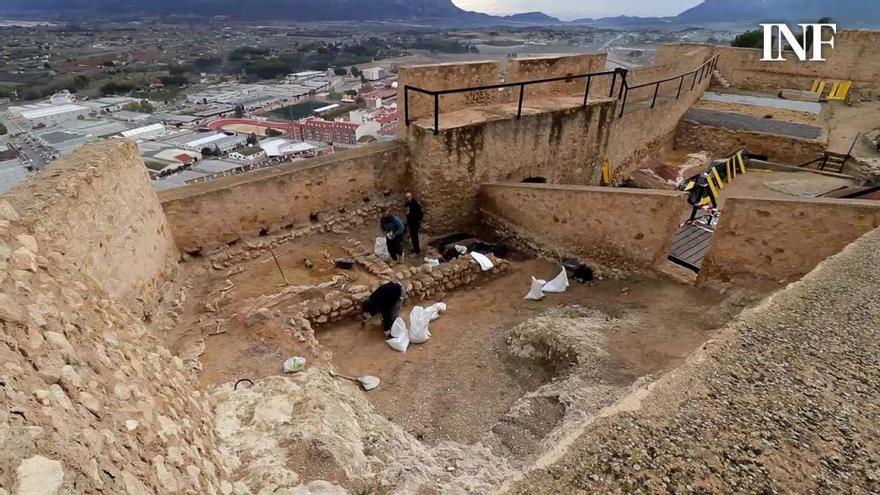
[572,9]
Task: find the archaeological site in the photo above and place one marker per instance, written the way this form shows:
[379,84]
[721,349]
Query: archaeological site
[697,239]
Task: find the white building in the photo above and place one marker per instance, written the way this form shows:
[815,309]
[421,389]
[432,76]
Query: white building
[373,73]
[248,154]
[216,140]
[47,115]
[285,147]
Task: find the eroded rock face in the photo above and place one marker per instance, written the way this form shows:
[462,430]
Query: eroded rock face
[290,431]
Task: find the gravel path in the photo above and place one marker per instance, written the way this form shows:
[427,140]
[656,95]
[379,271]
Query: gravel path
[740,122]
[787,400]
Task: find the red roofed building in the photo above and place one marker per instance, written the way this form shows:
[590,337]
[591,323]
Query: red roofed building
[329,132]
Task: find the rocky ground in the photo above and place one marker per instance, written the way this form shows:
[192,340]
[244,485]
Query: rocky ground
[786,401]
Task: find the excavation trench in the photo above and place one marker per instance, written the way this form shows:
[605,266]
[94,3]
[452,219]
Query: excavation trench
[498,383]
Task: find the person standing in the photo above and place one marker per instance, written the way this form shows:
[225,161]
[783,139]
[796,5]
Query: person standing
[414,217]
[394,229]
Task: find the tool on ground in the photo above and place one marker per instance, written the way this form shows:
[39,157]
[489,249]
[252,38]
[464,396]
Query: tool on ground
[279,267]
[368,382]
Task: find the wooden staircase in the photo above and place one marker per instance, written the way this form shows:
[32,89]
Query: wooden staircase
[833,162]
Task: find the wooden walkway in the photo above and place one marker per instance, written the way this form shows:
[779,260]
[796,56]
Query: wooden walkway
[689,246]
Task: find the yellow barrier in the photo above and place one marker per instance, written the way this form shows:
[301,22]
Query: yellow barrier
[606,172]
[840,90]
[742,163]
[717,177]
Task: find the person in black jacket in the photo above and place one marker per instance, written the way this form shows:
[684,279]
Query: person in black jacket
[387,301]
[394,230]
[414,216]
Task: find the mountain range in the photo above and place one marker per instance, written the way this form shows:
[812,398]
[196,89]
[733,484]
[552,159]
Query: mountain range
[440,11]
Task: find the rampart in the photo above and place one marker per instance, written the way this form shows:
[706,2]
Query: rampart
[207,216]
[91,402]
[624,228]
[780,240]
[853,57]
[562,141]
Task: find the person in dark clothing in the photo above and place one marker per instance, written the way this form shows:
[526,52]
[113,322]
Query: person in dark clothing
[394,230]
[414,216]
[386,301]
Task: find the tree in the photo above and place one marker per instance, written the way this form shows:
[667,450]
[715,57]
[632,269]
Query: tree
[252,139]
[140,106]
[3,130]
[355,72]
[206,151]
[340,71]
[239,111]
[273,132]
[749,39]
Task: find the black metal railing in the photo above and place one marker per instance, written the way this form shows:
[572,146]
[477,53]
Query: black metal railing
[699,74]
[436,94]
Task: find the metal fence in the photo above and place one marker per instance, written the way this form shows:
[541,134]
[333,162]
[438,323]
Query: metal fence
[700,73]
[622,91]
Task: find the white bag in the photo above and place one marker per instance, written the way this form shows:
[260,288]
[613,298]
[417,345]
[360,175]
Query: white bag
[432,262]
[418,325]
[535,293]
[558,284]
[380,248]
[460,249]
[435,309]
[483,260]
[399,340]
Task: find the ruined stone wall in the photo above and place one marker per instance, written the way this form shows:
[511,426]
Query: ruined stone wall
[780,240]
[208,216]
[97,208]
[535,68]
[616,229]
[564,145]
[854,57]
[447,76]
[90,402]
[721,142]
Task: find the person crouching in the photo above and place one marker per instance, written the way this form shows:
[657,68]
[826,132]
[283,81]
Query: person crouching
[386,301]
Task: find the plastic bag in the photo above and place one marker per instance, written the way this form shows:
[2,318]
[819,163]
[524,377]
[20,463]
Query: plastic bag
[484,261]
[420,319]
[418,325]
[460,249]
[399,340]
[380,248]
[558,284]
[294,364]
[535,293]
[432,262]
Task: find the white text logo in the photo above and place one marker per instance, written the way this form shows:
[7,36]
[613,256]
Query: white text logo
[777,32]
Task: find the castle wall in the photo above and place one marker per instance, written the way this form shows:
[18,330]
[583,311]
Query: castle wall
[623,228]
[97,209]
[447,76]
[207,216]
[535,68]
[91,402]
[853,57]
[780,240]
[563,143]
[721,142]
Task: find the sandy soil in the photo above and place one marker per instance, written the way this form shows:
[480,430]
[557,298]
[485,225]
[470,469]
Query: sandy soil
[245,128]
[771,184]
[844,122]
[459,383]
[759,111]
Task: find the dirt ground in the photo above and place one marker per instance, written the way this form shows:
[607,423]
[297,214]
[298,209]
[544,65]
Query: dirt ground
[759,111]
[844,122]
[460,382]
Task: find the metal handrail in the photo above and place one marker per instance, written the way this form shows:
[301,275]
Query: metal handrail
[703,70]
[521,84]
[700,72]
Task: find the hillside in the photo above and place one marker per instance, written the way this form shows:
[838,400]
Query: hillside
[844,11]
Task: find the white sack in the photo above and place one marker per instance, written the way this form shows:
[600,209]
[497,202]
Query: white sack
[399,340]
[380,248]
[420,319]
[558,284]
[535,292]
[483,260]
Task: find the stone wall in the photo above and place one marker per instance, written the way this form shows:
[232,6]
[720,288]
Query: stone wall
[563,143]
[447,76]
[719,142]
[615,229]
[854,57]
[91,402]
[96,207]
[780,240]
[209,216]
[535,68]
